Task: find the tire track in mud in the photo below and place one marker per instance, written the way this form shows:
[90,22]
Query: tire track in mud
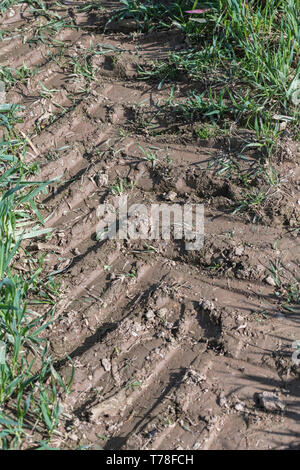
[169,346]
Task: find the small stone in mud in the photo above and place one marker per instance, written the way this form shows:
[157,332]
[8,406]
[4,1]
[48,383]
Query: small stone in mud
[239,407]
[150,315]
[206,304]
[222,400]
[11,13]
[106,364]
[170,196]
[162,312]
[101,179]
[239,250]
[270,402]
[239,320]
[282,125]
[269,280]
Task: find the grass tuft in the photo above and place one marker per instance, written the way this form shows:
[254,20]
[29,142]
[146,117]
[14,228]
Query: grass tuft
[30,387]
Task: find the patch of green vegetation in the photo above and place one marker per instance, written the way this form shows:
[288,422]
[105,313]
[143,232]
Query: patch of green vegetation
[207,131]
[149,14]
[252,203]
[10,75]
[5,4]
[30,386]
[121,185]
[149,155]
[287,291]
[91,6]
[245,55]
[44,30]
[254,182]
[81,67]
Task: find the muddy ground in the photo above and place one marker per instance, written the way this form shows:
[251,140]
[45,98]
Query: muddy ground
[173,349]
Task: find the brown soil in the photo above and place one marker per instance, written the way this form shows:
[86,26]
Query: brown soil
[172,348]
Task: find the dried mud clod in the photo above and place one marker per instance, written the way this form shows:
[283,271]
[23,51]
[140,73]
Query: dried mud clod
[270,402]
